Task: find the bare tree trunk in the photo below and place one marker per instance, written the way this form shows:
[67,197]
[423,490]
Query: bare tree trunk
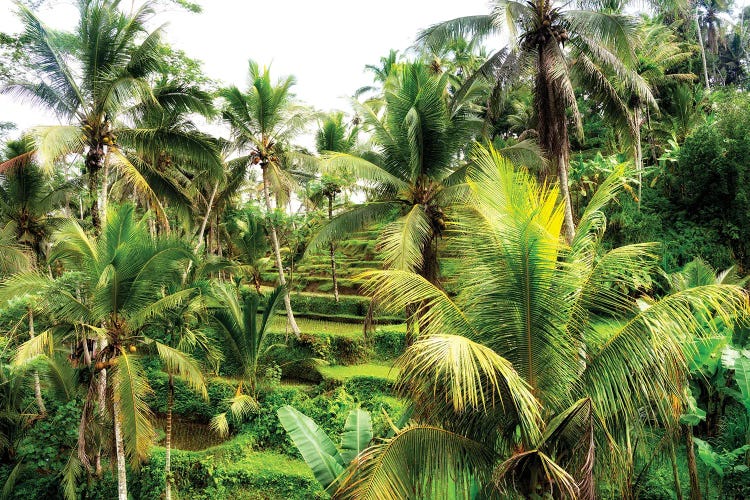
[205,219]
[277,253]
[105,187]
[333,254]
[37,385]
[675,471]
[569,227]
[553,134]
[122,479]
[93,165]
[703,50]
[638,152]
[695,487]
[168,454]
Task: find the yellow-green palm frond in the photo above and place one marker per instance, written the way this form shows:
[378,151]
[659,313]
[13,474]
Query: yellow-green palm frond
[184,366]
[640,363]
[403,240]
[515,476]
[55,142]
[418,462]
[42,344]
[449,377]
[129,389]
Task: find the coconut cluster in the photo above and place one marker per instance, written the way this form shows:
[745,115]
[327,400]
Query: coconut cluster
[547,31]
[99,133]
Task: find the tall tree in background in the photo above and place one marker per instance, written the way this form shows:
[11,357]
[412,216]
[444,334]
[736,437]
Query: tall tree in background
[88,79]
[334,136]
[264,120]
[561,46]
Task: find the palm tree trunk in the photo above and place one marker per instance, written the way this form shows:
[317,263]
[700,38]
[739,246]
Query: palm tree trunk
[569,227]
[553,134]
[122,479]
[168,454]
[333,254]
[103,193]
[94,160]
[703,49]
[695,487]
[279,265]
[37,385]
[638,152]
[205,219]
[675,471]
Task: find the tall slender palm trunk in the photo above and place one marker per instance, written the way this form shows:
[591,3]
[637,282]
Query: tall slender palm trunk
[637,150]
[202,231]
[695,487]
[168,454]
[553,134]
[429,270]
[333,254]
[37,385]
[703,49]
[279,265]
[122,478]
[94,164]
[675,471]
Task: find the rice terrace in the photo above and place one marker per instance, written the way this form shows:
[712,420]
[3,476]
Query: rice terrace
[490,249]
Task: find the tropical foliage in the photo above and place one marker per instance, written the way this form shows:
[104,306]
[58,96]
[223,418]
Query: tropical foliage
[514,266]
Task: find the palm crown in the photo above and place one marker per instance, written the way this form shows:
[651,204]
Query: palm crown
[563,317]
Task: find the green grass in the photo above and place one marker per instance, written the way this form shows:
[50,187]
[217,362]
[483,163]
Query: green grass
[313,326]
[343,373]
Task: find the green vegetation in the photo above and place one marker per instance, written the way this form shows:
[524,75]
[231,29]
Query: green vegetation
[511,273]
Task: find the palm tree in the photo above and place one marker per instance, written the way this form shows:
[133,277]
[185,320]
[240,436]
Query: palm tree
[181,324]
[563,47]
[381,73]
[698,273]
[165,152]
[658,54]
[264,121]
[26,203]
[90,84]
[334,136]
[594,358]
[27,199]
[248,243]
[416,144]
[123,275]
[236,320]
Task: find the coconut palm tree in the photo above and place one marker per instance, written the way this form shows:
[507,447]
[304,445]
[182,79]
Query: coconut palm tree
[236,320]
[594,350]
[89,84]
[333,136]
[27,201]
[181,325]
[124,274]
[416,140]
[659,53]
[264,120]
[416,144]
[563,47]
[165,152]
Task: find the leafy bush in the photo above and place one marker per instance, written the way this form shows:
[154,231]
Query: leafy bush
[186,402]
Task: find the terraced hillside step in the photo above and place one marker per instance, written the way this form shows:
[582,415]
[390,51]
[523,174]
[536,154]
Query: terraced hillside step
[343,373]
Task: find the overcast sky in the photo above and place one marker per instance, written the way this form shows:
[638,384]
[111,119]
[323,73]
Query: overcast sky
[324,43]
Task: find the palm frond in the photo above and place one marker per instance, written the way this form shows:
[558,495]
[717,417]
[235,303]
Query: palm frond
[130,387]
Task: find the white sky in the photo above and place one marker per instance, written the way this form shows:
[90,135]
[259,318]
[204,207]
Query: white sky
[325,44]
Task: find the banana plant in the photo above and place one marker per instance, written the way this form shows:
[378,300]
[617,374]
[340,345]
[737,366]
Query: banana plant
[318,450]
